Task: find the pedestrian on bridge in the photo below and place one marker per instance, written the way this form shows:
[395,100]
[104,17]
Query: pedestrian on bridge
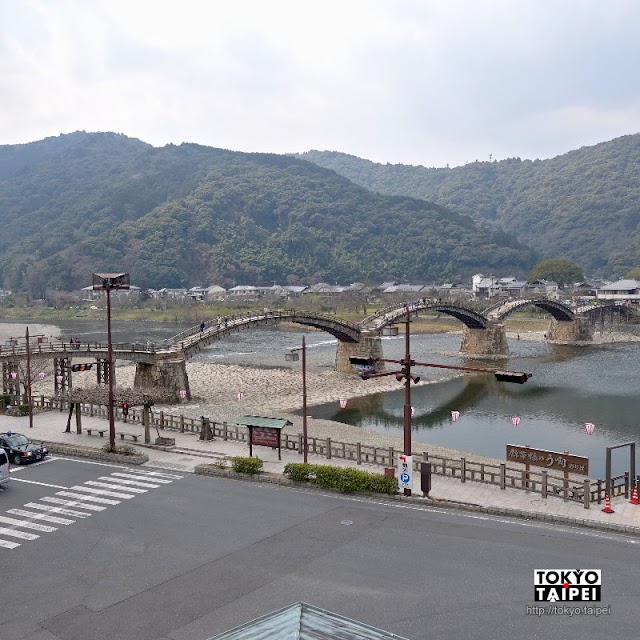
[202,326]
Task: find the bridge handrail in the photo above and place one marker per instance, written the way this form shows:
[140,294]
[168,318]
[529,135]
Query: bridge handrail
[191,336]
[54,347]
[419,304]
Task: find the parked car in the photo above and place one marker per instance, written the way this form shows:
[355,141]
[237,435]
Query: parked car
[20,449]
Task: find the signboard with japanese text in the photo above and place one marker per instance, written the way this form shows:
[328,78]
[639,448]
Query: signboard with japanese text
[548,459]
[265,436]
[405,472]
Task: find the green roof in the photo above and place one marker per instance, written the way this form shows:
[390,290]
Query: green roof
[260,421]
[302,621]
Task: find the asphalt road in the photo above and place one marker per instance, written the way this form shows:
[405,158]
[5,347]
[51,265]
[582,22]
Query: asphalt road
[187,557]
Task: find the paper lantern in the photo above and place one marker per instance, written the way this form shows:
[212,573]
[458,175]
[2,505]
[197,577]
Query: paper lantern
[183,393]
[413,411]
[515,421]
[343,404]
[240,396]
[455,416]
[589,427]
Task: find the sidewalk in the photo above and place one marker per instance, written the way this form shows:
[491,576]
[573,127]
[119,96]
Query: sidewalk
[190,452]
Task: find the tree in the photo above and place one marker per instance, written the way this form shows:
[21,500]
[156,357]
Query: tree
[561,271]
[634,274]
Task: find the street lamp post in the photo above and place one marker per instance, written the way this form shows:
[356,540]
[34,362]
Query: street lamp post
[405,374]
[293,356]
[108,282]
[29,400]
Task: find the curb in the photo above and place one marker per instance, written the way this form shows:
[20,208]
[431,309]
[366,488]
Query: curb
[519,514]
[95,454]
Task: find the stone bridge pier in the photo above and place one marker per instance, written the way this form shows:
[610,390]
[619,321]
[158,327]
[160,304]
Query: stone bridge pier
[369,346]
[568,331]
[491,341]
[168,371]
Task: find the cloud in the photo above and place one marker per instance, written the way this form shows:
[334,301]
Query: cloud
[406,81]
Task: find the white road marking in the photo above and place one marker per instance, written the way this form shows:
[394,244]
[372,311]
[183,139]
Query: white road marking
[102,492]
[74,503]
[133,476]
[39,516]
[28,525]
[60,510]
[86,497]
[42,484]
[9,545]
[122,481]
[118,487]
[156,473]
[18,534]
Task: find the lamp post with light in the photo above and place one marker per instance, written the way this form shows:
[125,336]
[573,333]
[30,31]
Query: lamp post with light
[293,357]
[108,282]
[405,374]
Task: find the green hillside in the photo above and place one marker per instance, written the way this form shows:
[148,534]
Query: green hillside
[184,215]
[583,205]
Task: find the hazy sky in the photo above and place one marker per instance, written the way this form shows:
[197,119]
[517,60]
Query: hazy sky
[425,82]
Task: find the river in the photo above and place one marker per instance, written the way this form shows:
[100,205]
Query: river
[570,387]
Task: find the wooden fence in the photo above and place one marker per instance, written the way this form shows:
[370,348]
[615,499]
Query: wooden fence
[572,489]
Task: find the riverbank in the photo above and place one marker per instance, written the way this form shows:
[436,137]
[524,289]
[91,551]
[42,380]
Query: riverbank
[276,392]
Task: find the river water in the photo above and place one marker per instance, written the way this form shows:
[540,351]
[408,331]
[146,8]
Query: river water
[570,387]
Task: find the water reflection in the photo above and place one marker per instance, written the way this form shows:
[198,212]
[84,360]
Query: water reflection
[569,388]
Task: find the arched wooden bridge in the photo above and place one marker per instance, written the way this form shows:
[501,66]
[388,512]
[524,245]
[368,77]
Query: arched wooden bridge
[163,364]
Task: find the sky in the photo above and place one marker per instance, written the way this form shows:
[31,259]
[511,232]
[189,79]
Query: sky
[422,82]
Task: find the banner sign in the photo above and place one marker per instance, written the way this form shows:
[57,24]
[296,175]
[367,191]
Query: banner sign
[548,459]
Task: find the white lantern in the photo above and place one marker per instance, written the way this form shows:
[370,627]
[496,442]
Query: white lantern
[515,421]
[589,427]
[455,416]
[343,404]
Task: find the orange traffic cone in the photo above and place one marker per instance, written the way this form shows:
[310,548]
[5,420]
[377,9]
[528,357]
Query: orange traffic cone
[607,504]
[634,495]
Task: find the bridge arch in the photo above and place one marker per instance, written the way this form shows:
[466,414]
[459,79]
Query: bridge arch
[559,311]
[394,313]
[192,340]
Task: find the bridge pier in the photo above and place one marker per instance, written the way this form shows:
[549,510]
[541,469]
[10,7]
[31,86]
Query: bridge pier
[369,346]
[491,341]
[168,372]
[577,330]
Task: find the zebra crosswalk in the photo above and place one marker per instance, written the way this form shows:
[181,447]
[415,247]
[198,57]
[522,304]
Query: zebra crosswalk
[80,501]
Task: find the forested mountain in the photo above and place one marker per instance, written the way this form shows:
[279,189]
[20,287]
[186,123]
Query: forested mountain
[583,205]
[186,215]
